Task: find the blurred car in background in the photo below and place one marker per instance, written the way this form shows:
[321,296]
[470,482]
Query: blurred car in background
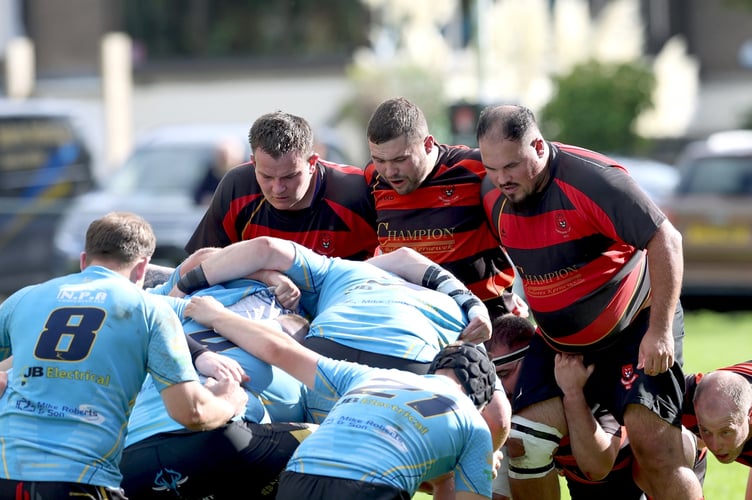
[658,179]
[159,181]
[47,157]
[168,179]
[712,208]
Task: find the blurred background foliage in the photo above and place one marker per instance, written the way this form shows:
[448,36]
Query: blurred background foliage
[596,105]
[302,29]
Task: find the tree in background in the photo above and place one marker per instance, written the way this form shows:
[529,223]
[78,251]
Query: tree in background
[522,51]
[596,106]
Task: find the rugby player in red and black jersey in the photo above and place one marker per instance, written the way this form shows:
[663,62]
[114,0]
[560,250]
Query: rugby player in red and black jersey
[288,192]
[427,197]
[601,268]
[718,408]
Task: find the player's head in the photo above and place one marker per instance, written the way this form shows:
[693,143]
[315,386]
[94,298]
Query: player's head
[283,154]
[121,241]
[510,338]
[472,369]
[513,151]
[723,406]
[402,150]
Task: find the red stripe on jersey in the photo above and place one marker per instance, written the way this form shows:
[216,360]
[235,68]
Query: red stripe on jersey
[570,285]
[439,244]
[429,196]
[606,322]
[228,222]
[744,369]
[492,286]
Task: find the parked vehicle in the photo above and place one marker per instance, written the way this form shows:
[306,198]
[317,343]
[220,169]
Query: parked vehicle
[712,208]
[160,181]
[46,159]
[658,179]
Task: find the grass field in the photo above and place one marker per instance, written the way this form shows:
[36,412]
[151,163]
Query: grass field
[713,340]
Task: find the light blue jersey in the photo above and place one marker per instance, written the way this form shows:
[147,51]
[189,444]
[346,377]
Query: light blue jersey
[397,428]
[150,417]
[363,307]
[82,346]
[280,393]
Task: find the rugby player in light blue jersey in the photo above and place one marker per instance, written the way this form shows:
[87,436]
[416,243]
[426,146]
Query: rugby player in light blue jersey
[374,312]
[390,430]
[162,460]
[280,393]
[82,345]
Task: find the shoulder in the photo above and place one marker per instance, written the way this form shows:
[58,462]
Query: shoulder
[460,161]
[340,169]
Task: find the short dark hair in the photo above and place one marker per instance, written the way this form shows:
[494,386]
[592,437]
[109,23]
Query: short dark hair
[506,121]
[510,330]
[394,118]
[122,237]
[279,133]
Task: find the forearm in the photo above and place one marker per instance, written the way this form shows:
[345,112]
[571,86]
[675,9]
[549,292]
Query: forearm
[269,345]
[591,446]
[404,262]
[239,260]
[498,416]
[197,408]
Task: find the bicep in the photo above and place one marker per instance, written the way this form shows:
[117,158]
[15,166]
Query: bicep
[404,262]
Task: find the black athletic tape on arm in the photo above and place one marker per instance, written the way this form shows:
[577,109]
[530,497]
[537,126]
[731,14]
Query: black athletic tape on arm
[193,280]
[196,348]
[439,279]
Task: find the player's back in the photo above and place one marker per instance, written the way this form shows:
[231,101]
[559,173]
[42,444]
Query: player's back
[80,348]
[397,428]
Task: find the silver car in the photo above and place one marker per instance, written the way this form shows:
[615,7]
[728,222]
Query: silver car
[158,181]
[712,208]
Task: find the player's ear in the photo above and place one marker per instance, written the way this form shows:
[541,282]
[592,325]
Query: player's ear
[428,143]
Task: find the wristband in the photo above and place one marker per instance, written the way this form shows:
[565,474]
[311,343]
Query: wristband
[441,280]
[196,348]
[193,280]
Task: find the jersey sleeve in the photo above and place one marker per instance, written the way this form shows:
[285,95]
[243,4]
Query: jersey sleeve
[169,359]
[210,231]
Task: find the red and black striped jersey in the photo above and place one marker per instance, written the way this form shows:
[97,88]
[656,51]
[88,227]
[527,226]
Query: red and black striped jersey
[444,220]
[340,221]
[689,419]
[578,247]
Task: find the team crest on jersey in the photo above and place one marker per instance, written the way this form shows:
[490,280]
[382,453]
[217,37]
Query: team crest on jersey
[447,195]
[168,480]
[628,376]
[562,226]
[325,245]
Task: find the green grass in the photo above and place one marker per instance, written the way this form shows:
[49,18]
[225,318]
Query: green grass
[713,340]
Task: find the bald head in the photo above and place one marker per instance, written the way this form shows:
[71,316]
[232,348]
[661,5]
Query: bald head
[726,390]
[506,122]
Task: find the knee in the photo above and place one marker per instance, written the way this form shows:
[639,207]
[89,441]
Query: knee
[531,448]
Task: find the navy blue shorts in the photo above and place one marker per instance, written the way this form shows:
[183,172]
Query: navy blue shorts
[297,486]
[237,457]
[616,381]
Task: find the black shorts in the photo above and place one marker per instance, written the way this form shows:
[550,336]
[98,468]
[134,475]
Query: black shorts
[618,485]
[335,350]
[240,456]
[296,486]
[616,381]
[54,490]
